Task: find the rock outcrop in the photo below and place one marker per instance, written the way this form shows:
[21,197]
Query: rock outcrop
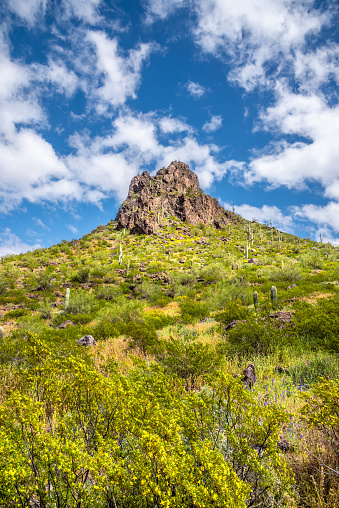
[172,192]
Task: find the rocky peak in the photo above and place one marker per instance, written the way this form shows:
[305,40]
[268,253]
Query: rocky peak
[173,191]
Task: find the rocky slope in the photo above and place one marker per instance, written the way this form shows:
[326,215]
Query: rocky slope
[173,191]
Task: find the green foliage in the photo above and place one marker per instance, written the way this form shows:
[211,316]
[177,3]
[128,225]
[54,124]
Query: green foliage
[3,285]
[234,310]
[319,324]
[44,279]
[290,273]
[321,412]
[15,313]
[312,371]
[80,302]
[122,310]
[81,438]
[313,260]
[258,336]
[192,311]
[45,308]
[83,275]
[109,293]
[220,294]
[188,358]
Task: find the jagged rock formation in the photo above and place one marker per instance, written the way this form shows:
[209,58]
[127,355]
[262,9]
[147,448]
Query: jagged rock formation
[173,191]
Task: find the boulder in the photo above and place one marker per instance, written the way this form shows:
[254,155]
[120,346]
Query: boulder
[87,340]
[282,318]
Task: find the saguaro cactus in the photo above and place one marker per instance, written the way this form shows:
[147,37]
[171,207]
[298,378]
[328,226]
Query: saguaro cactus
[127,267]
[68,292]
[246,249]
[120,254]
[274,295]
[255,299]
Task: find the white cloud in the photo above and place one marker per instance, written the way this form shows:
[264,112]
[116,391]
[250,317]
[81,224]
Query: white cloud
[324,216]
[28,10]
[156,9]
[73,229]
[31,170]
[11,244]
[293,164]
[195,89]
[263,214]
[314,68]
[169,125]
[41,224]
[121,75]
[108,164]
[254,32]
[56,73]
[214,124]
[86,10]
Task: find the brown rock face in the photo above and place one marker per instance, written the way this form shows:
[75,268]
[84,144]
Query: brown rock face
[173,191]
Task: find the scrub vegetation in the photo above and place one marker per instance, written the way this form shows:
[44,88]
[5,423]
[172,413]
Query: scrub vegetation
[157,413]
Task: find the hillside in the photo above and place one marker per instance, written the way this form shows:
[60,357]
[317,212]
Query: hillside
[158,412]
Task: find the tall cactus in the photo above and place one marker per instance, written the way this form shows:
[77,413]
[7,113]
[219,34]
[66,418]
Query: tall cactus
[127,268]
[246,250]
[274,295]
[68,292]
[2,333]
[120,254]
[255,299]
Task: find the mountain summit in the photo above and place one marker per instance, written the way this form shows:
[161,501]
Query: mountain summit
[173,191]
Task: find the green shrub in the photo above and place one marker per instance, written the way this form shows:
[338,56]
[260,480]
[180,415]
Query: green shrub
[187,358]
[290,273]
[259,337]
[310,372]
[141,336]
[3,285]
[218,295]
[80,302]
[108,293]
[45,308]
[122,311]
[82,276]
[13,314]
[233,311]
[319,323]
[192,311]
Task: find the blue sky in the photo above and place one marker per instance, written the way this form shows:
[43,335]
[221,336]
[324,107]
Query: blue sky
[94,91]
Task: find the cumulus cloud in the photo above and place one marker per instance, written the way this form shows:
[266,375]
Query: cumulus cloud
[314,158]
[120,75]
[195,89]
[86,10]
[160,9]
[214,124]
[108,163]
[28,10]
[254,32]
[263,214]
[169,125]
[12,244]
[321,215]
